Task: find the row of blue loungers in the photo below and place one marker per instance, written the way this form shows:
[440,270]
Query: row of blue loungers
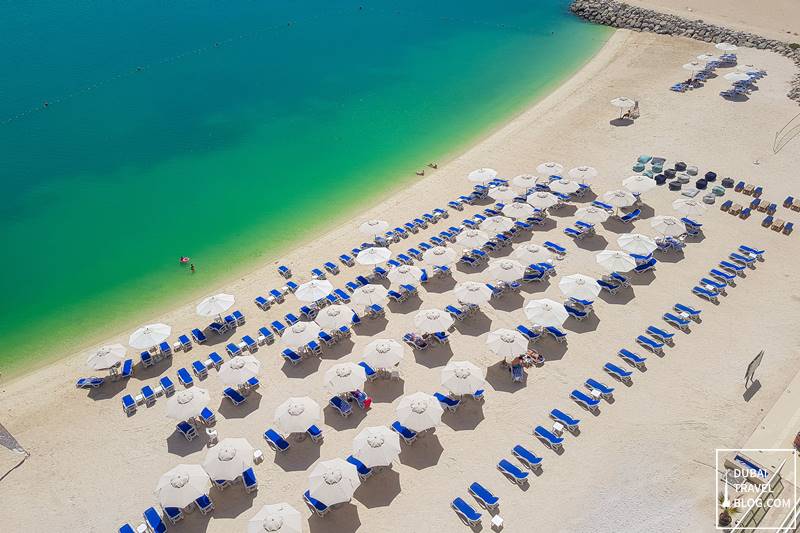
[719,278]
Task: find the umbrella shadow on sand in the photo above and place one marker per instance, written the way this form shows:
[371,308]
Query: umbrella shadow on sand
[424,453]
[565,211]
[343,519]
[671,256]
[435,356]
[341,348]
[380,489]
[594,243]
[510,301]
[536,286]
[229,503]
[644,278]
[228,410]
[301,370]
[499,377]
[467,417]
[620,298]
[385,390]
[300,456]
[108,390]
[474,325]
[341,423]
[440,285]
[372,326]
[621,122]
[555,350]
[178,445]
[589,323]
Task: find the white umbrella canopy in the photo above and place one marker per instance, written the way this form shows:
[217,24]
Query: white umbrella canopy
[497,224]
[668,226]
[579,286]
[748,69]
[623,102]
[149,336]
[707,57]
[239,369]
[345,377]
[525,181]
[419,411]
[333,317]
[463,377]
[482,175]
[295,415]
[689,207]
[182,485]
[276,518]
[374,227]
[592,214]
[583,173]
[565,186]
[383,353]
[186,404]
[615,261]
[736,76]
[369,295]
[405,275]
[619,198]
[106,357]
[550,168]
[472,292]
[333,481]
[300,334]
[313,290]
[636,243]
[376,446]
[726,47]
[693,66]
[505,270]
[507,342]
[639,184]
[518,210]
[542,199]
[432,321]
[373,256]
[215,305]
[227,460]
[529,253]
[472,238]
[439,256]
[502,192]
[546,312]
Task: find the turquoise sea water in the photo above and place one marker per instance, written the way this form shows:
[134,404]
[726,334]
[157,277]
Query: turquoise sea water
[132,133]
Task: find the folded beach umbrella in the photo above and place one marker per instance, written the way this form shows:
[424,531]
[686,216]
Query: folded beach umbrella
[182,485]
[619,198]
[502,193]
[313,290]
[371,294]
[373,256]
[376,446]
[463,377]
[497,224]
[405,275]
[542,199]
[439,256]
[149,336]
[419,411]
[215,305]
[276,518]
[432,321]
[507,343]
[592,214]
[518,210]
[472,292]
[546,312]
[345,377]
[583,173]
[227,460]
[579,286]
[482,175]
[383,353]
[300,334]
[296,415]
[186,404]
[736,76]
[239,369]
[374,227]
[333,481]
[615,261]
[707,58]
[636,243]
[550,168]
[668,226]
[726,47]
[525,181]
[507,270]
[689,207]
[333,317]
[529,253]
[106,357]
[472,238]
[565,186]
[639,184]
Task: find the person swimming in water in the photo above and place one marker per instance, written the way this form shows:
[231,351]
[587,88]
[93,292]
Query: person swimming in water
[192,268]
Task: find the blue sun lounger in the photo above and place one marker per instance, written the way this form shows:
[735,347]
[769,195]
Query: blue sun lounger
[185,343]
[346,260]
[234,396]
[275,441]
[314,433]
[185,378]
[517,374]
[527,457]
[291,356]
[147,359]
[550,439]
[233,349]
[315,505]
[291,319]
[406,434]
[342,407]
[165,349]
[630,217]
[705,293]
[650,344]
[514,473]
[465,512]
[363,470]
[265,336]
[749,250]
[331,267]
[556,333]
[585,401]
[154,521]
[527,333]
[204,504]
[198,336]
[215,360]
[733,267]
[563,418]
[249,480]
[343,296]
[368,370]
[187,430]
[688,312]
[127,369]
[555,248]
[278,327]
[148,395]
[615,372]
[451,404]
[647,265]
[576,313]
[199,369]
[127,528]
[727,277]
[484,496]
[608,286]
[632,358]
[712,284]
[739,258]
[207,417]
[167,385]
[660,334]
[128,404]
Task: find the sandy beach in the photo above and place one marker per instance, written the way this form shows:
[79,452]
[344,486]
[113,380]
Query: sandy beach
[644,463]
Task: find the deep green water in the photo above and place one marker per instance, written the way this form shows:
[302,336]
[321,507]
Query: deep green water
[226,130]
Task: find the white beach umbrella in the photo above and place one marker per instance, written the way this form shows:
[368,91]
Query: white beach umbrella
[276,518]
[373,256]
[383,353]
[239,369]
[707,58]
[636,243]
[592,214]
[748,69]
[639,184]
[463,377]
[374,227]
[439,256]
[668,226]
[215,305]
[432,321]
[550,168]
[619,198]
[502,193]
[186,404]
[472,238]
[300,334]
[542,199]
[623,102]
[419,411]
[529,253]
[472,292]
[106,357]
[345,377]
[333,317]
[525,181]
[546,312]
[405,275]
[333,481]
[370,295]
[149,336]
[693,66]
[615,261]
[505,270]
[583,173]
[313,290]
[296,415]
[227,460]
[497,224]
[376,446]
[736,76]
[507,343]
[482,175]
[579,286]
[518,210]
[689,207]
[182,485]
[726,47]
[565,186]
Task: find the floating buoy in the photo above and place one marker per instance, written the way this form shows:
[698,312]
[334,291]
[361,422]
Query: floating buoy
[184,259]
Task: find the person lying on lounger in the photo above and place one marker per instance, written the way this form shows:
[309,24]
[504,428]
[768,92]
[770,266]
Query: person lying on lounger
[534,357]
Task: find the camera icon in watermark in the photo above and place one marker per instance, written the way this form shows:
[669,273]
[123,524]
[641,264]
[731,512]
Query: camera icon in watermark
[756,489]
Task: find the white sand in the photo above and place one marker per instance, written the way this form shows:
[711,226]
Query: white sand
[641,465]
